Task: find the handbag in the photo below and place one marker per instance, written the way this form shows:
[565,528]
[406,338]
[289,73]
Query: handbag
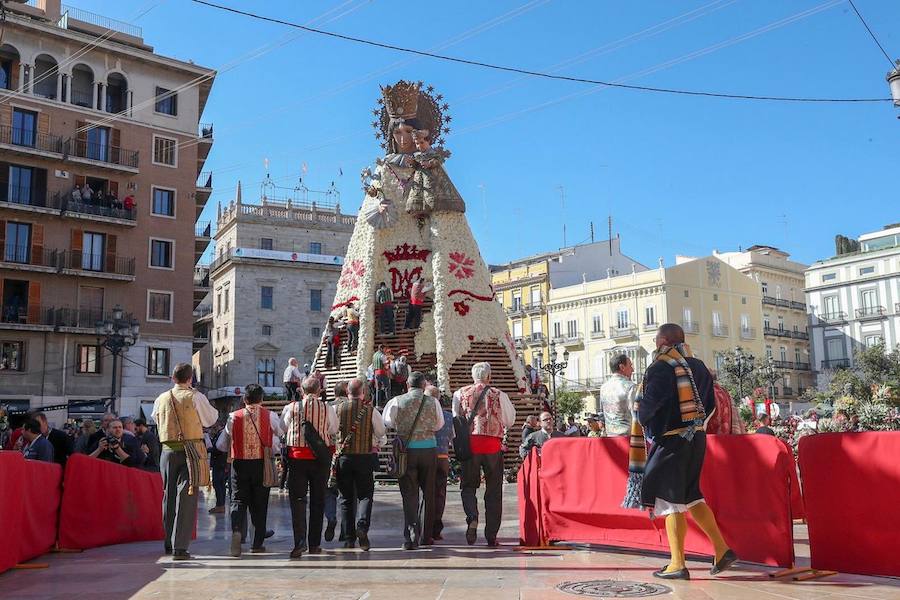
[462,429]
[268,459]
[357,421]
[398,447]
[313,440]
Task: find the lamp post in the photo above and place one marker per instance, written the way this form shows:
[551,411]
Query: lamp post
[553,368]
[769,374]
[115,335]
[893,79]
[743,367]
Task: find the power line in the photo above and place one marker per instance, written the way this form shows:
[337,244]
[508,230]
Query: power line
[539,74]
[871,33]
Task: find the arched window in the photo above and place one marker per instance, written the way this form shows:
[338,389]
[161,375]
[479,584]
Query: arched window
[9,67]
[116,93]
[82,86]
[46,77]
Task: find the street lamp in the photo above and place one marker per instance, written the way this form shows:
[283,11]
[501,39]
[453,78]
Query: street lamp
[115,335]
[769,374]
[553,368]
[893,79]
[742,369]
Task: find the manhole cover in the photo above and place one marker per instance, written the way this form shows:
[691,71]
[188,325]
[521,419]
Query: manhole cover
[608,588]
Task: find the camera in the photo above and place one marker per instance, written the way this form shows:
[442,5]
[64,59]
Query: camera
[112,441]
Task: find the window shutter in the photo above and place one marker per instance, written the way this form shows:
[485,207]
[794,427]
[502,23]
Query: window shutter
[110,253]
[80,138]
[43,123]
[14,75]
[39,189]
[115,136]
[80,180]
[3,238]
[37,244]
[34,303]
[114,188]
[76,245]
[6,116]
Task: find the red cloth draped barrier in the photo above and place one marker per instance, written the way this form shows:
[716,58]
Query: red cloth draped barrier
[851,484]
[29,506]
[797,510]
[746,482]
[104,503]
[530,533]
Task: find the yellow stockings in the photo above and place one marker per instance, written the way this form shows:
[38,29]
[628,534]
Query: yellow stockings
[676,530]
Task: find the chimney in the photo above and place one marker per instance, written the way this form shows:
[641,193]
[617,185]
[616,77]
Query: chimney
[52,10]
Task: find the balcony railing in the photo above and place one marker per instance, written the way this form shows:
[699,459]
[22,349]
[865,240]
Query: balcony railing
[768,300]
[787,391]
[516,308]
[650,326]
[104,208]
[719,330]
[206,130]
[29,138]
[782,303]
[620,332]
[103,153]
[24,255]
[598,334]
[835,317]
[520,342]
[201,282]
[798,305]
[202,310]
[535,339]
[204,230]
[870,312]
[82,98]
[748,333]
[776,331]
[204,180]
[534,307]
[784,364]
[24,195]
[836,363]
[99,263]
[101,21]
[799,335]
[801,366]
[690,326]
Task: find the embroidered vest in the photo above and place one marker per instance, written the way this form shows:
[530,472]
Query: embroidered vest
[407,407]
[487,420]
[245,444]
[186,412]
[361,442]
[316,412]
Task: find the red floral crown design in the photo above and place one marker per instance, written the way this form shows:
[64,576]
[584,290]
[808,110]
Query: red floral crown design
[406,252]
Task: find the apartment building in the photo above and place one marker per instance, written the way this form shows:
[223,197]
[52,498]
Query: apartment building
[785,328]
[272,284]
[86,104]
[854,299]
[523,287]
[718,307]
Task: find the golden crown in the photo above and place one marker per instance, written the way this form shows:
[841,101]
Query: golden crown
[401,99]
[408,100]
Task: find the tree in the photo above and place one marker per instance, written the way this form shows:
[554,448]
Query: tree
[569,403]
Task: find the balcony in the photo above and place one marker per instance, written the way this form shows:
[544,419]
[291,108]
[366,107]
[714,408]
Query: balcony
[776,331]
[93,211]
[836,363]
[748,333]
[651,326]
[783,364]
[29,142]
[768,300]
[86,264]
[781,302]
[202,237]
[798,306]
[897,308]
[75,320]
[203,191]
[801,366]
[568,340]
[799,335]
[690,326]
[517,309]
[204,145]
[520,342]
[787,391]
[23,258]
[102,155]
[719,330]
[535,339]
[203,311]
[534,307]
[623,332]
[868,313]
[598,334]
[833,318]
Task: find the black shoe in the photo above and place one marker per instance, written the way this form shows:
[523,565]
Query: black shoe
[472,532]
[329,530]
[258,550]
[493,543]
[349,544]
[679,574]
[269,533]
[181,555]
[297,552]
[315,550]
[728,559]
[437,537]
[235,549]
[167,549]
[407,545]
[363,537]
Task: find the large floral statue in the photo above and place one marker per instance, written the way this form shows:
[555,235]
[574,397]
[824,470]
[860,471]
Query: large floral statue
[412,226]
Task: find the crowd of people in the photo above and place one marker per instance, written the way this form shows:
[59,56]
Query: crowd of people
[84,194]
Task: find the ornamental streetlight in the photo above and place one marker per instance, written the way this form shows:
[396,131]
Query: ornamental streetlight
[893,79]
[742,366]
[769,374]
[553,368]
[115,335]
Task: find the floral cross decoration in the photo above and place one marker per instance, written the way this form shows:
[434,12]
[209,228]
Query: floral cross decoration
[461,265]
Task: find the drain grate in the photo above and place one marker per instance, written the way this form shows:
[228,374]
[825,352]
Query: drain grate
[609,588]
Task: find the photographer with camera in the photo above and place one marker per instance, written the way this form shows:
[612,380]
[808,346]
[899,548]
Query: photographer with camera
[116,447]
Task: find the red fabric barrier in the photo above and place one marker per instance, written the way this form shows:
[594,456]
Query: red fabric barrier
[104,503]
[530,533]
[851,484]
[746,482]
[797,510]
[42,493]
[12,505]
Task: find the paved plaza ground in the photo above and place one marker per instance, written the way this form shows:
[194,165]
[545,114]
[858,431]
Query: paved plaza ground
[449,571]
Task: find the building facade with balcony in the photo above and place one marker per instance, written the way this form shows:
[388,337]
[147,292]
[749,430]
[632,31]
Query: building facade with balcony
[272,282]
[717,306]
[854,300]
[99,159]
[785,327]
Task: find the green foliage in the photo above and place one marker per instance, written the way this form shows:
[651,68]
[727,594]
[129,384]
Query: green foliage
[569,403]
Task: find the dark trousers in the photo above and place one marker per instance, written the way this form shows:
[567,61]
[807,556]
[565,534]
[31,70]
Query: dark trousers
[387,319]
[307,477]
[492,465]
[413,316]
[179,509]
[219,467]
[419,477]
[356,481]
[248,493]
[352,336]
[332,353]
[382,390]
[440,493]
[290,391]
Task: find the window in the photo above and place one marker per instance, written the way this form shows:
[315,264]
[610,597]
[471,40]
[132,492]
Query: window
[832,306]
[219,303]
[18,242]
[873,340]
[557,329]
[866,270]
[98,143]
[166,101]
[267,297]
[780,323]
[12,356]
[163,202]
[650,315]
[597,326]
[828,277]
[158,361]
[161,253]
[622,318]
[92,251]
[266,244]
[315,247]
[869,300]
[24,127]
[267,330]
[715,297]
[536,327]
[745,322]
[227,293]
[315,300]
[743,299]
[517,300]
[535,295]
[782,353]
[159,306]
[165,151]
[687,316]
[218,334]
[537,360]
[835,349]
[517,329]
[572,328]
[778,292]
[88,359]
[767,322]
[20,184]
[717,323]
[315,332]
[765,288]
[797,356]
[768,351]
[265,372]
[226,330]
[687,294]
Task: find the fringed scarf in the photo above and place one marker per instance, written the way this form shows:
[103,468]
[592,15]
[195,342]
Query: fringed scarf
[197,464]
[692,416]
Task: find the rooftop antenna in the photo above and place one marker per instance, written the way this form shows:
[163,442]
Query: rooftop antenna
[609,223]
[592,232]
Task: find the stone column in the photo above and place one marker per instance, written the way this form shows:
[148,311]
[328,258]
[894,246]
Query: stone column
[58,86]
[96,94]
[22,87]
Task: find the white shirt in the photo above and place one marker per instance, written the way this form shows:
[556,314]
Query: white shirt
[207,412]
[616,398]
[331,421]
[274,420]
[507,410]
[291,372]
[392,408]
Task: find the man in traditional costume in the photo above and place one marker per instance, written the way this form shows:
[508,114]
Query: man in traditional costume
[381,365]
[671,411]
[181,414]
[490,411]
[617,395]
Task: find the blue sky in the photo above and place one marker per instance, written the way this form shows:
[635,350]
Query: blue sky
[678,174]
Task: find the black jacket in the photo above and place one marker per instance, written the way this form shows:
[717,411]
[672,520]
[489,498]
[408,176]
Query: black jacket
[659,408]
[63,446]
[132,448]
